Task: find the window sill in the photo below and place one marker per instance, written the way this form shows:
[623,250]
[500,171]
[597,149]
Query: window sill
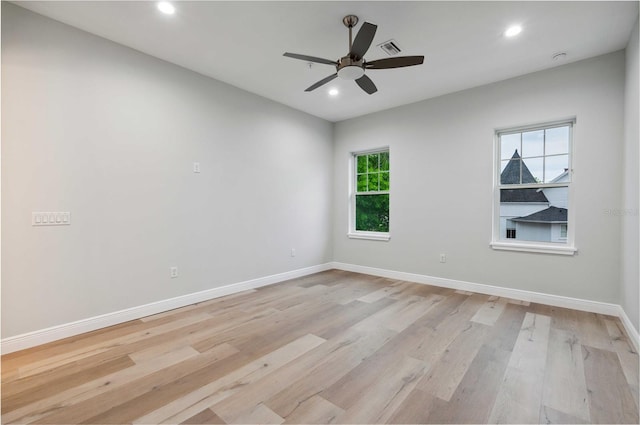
[372,236]
[535,248]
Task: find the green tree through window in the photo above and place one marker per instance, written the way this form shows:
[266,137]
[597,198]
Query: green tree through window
[372,192]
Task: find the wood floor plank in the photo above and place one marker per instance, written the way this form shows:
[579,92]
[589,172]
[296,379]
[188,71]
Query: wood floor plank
[380,401]
[11,362]
[207,416]
[504,333]
[626,352]
[348,389]
[183,407]
[77,354]
[443,377]
[400,314]
[476,393]
[259,414]
[98,409]
[386,291]
[593,332]
[49,377]
[315,410]
[490,311]
[549,415]
[520,395]
[565,389]
[610,398]
[334,347]
[415,409]
[441,331]
[64,399]
[330,369]
[345,317]
[328,362]
[39,392]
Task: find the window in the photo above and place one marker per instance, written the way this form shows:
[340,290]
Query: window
[370,197]
[533,179]
[563,230]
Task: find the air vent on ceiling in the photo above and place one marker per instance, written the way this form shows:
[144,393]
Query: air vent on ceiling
[390,47]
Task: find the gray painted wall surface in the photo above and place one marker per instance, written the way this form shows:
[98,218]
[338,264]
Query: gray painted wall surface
[630,254]
[442,181]
[110,134]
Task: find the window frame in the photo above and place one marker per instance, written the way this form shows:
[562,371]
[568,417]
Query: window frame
[353,191]
[561,248]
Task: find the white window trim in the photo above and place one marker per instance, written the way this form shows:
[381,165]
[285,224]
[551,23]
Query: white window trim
[352,233]
[372,236]
[567,248]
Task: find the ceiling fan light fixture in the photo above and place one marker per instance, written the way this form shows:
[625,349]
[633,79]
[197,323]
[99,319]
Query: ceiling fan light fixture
[333,92]
[351,72]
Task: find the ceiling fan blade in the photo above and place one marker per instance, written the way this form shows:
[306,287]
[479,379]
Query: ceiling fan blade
[310,58]
[398,62]
[363,40]
[366,84]
[322,82]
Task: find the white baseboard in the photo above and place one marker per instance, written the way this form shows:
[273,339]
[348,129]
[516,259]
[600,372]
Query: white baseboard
[43,336]
[630,328]
[516,294]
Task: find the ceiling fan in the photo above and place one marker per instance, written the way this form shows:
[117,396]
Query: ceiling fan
[353,66]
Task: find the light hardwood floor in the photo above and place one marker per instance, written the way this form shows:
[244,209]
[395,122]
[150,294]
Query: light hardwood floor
[335,347]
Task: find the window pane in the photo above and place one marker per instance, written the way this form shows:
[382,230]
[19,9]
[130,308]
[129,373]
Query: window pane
[372,213]
[362,164]
[532,170]
[384,161]
[533,143]
[555,166]
[384,181]
[373,182]
[509,144]
[563,230]
[373,162]
[510,173]
[362,183]
[534,214]
[557,140]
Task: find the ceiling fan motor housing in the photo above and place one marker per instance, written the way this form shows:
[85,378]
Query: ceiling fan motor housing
[350,69]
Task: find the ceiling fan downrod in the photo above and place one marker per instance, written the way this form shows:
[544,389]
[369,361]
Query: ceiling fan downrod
[350,21]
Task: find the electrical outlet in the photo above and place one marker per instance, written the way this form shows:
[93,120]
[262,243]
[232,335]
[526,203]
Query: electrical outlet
[293,252]
[174,272]
[196,167]
[443,258]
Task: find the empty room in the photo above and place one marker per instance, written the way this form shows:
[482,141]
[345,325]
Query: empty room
[266,212]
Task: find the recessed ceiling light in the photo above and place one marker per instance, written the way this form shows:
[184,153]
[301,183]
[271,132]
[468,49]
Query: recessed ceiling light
[166,8]
[513,31]
[333,92]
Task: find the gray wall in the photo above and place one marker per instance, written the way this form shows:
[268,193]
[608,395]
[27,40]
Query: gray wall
[110,134]
[629,297]
[441,177]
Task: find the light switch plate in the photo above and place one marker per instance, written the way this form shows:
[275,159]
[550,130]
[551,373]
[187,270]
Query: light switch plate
[60,218]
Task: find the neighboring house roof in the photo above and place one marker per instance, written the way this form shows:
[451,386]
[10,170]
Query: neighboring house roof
[523,195]
[564,177]
[511,175]
[550,215]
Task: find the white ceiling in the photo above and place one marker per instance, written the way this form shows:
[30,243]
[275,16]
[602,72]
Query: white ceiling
[241,43]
